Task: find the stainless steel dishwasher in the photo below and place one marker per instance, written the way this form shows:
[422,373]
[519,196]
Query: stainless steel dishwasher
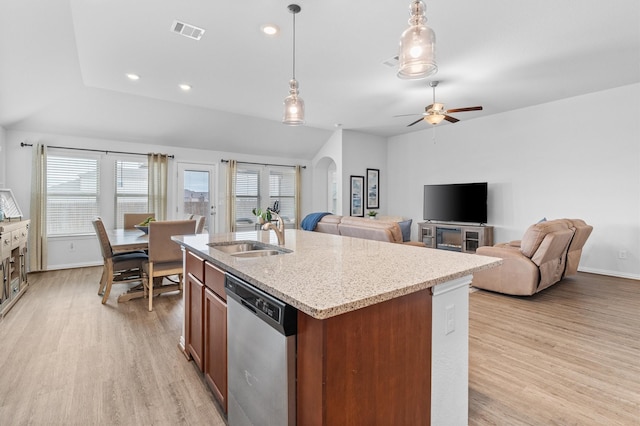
[261,352]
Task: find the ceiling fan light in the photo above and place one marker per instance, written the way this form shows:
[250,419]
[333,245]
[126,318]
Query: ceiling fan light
[434,118]
[417,46]
[293,106]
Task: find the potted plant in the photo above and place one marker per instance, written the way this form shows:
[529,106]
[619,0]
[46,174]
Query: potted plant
[372,214]
[262,215]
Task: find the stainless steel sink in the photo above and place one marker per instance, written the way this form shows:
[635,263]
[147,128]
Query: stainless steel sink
[257,253]
[248,249]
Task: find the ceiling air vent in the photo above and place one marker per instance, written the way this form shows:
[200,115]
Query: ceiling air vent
[391,62]
[187,30]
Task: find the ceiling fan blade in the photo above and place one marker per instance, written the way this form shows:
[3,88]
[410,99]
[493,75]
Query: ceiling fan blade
[475,108]
[451,119]
[416,122]
[407,115]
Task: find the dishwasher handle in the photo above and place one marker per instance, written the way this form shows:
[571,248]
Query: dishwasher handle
[275,312]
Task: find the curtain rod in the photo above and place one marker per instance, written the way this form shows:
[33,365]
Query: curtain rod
[263,164]
[23,144]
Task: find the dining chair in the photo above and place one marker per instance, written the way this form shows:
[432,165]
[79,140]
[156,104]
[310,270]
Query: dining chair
[199,223]
[133,219]
[120,268]
[165,257]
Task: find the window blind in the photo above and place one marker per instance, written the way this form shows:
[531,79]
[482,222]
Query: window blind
[131,189]
[72,194]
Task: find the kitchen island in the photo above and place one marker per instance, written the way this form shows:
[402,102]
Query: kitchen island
[382,328]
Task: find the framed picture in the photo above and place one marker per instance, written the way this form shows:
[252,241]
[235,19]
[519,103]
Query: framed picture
[373,188]
[357,187]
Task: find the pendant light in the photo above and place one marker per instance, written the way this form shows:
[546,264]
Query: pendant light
[417,57]
[293,104]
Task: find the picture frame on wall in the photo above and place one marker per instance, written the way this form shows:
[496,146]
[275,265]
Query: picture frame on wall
[373,188]
[357,194]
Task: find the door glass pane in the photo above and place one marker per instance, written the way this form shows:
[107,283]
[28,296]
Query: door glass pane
[196,194]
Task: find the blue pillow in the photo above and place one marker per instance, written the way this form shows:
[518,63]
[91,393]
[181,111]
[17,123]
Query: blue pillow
[405,227]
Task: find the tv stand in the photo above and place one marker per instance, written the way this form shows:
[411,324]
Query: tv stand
[455,237]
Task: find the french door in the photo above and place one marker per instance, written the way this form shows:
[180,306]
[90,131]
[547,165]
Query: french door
[196,193]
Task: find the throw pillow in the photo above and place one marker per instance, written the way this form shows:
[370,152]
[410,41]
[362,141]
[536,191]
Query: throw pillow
[405,227]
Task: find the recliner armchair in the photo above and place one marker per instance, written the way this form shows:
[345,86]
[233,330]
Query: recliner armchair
[548,252]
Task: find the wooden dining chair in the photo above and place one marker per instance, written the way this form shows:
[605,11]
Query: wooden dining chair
[165,257]
[133,219]
[199,223]
[120,268]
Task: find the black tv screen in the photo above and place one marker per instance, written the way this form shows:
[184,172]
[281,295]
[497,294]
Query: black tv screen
[458,202]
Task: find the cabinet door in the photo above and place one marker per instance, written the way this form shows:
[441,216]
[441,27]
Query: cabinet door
[428,235]
[194,315]
[215,331]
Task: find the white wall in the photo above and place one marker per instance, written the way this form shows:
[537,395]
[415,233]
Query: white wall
[361,151]
[575,158]
[3,166]
[84,250]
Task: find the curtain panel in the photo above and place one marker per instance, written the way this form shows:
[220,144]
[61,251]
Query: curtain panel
[38,225]
[232,168]
[158,172]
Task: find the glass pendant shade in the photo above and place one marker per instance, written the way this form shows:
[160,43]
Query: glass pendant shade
[293,106]
[417,57]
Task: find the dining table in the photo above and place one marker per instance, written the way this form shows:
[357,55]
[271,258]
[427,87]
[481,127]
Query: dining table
[124,240]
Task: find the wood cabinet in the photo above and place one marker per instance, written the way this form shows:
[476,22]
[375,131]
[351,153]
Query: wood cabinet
[464,238]
[215,333]
[13,263]
[206,322]
[369,366]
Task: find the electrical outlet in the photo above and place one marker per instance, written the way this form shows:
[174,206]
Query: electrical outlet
[450,319]
[622,254]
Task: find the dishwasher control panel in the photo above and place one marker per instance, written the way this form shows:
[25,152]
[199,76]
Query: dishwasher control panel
[275,312]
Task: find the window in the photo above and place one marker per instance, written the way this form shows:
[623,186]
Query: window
[131,189]
[282,190]
[247,195]
[73,191]
[262,187]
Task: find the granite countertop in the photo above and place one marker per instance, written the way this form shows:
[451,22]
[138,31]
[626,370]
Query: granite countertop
[327,275]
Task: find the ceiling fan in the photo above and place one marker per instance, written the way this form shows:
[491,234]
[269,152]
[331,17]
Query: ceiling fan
[435,112]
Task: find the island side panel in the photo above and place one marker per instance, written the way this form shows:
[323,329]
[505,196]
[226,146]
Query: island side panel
[369,366]
[450,354]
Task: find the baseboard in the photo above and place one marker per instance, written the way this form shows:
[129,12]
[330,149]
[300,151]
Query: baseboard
[609,273]
[72,266]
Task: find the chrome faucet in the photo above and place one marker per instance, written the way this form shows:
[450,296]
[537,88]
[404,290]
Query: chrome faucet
[278,228]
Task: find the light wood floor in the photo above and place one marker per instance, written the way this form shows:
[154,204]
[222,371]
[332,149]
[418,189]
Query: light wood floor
[568,356]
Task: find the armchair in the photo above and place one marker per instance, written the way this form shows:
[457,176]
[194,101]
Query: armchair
[537,261]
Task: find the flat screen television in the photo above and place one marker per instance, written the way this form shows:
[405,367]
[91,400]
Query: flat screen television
[458,202]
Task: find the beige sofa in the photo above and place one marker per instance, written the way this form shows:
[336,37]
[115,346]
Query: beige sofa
[359,227]
[548,252]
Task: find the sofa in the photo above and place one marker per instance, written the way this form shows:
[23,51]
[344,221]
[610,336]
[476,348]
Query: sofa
[548,251]
[371,229]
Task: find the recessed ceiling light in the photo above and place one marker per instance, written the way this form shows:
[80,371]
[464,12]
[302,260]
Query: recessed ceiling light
[185,87]
[270,29]
[133,77]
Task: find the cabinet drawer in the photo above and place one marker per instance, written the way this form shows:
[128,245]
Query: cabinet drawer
[5,244]
[214,279]
[194,266]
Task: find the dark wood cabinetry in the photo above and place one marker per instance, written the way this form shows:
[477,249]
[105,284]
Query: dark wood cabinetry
[446,236]
[206,322]
[215,333]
